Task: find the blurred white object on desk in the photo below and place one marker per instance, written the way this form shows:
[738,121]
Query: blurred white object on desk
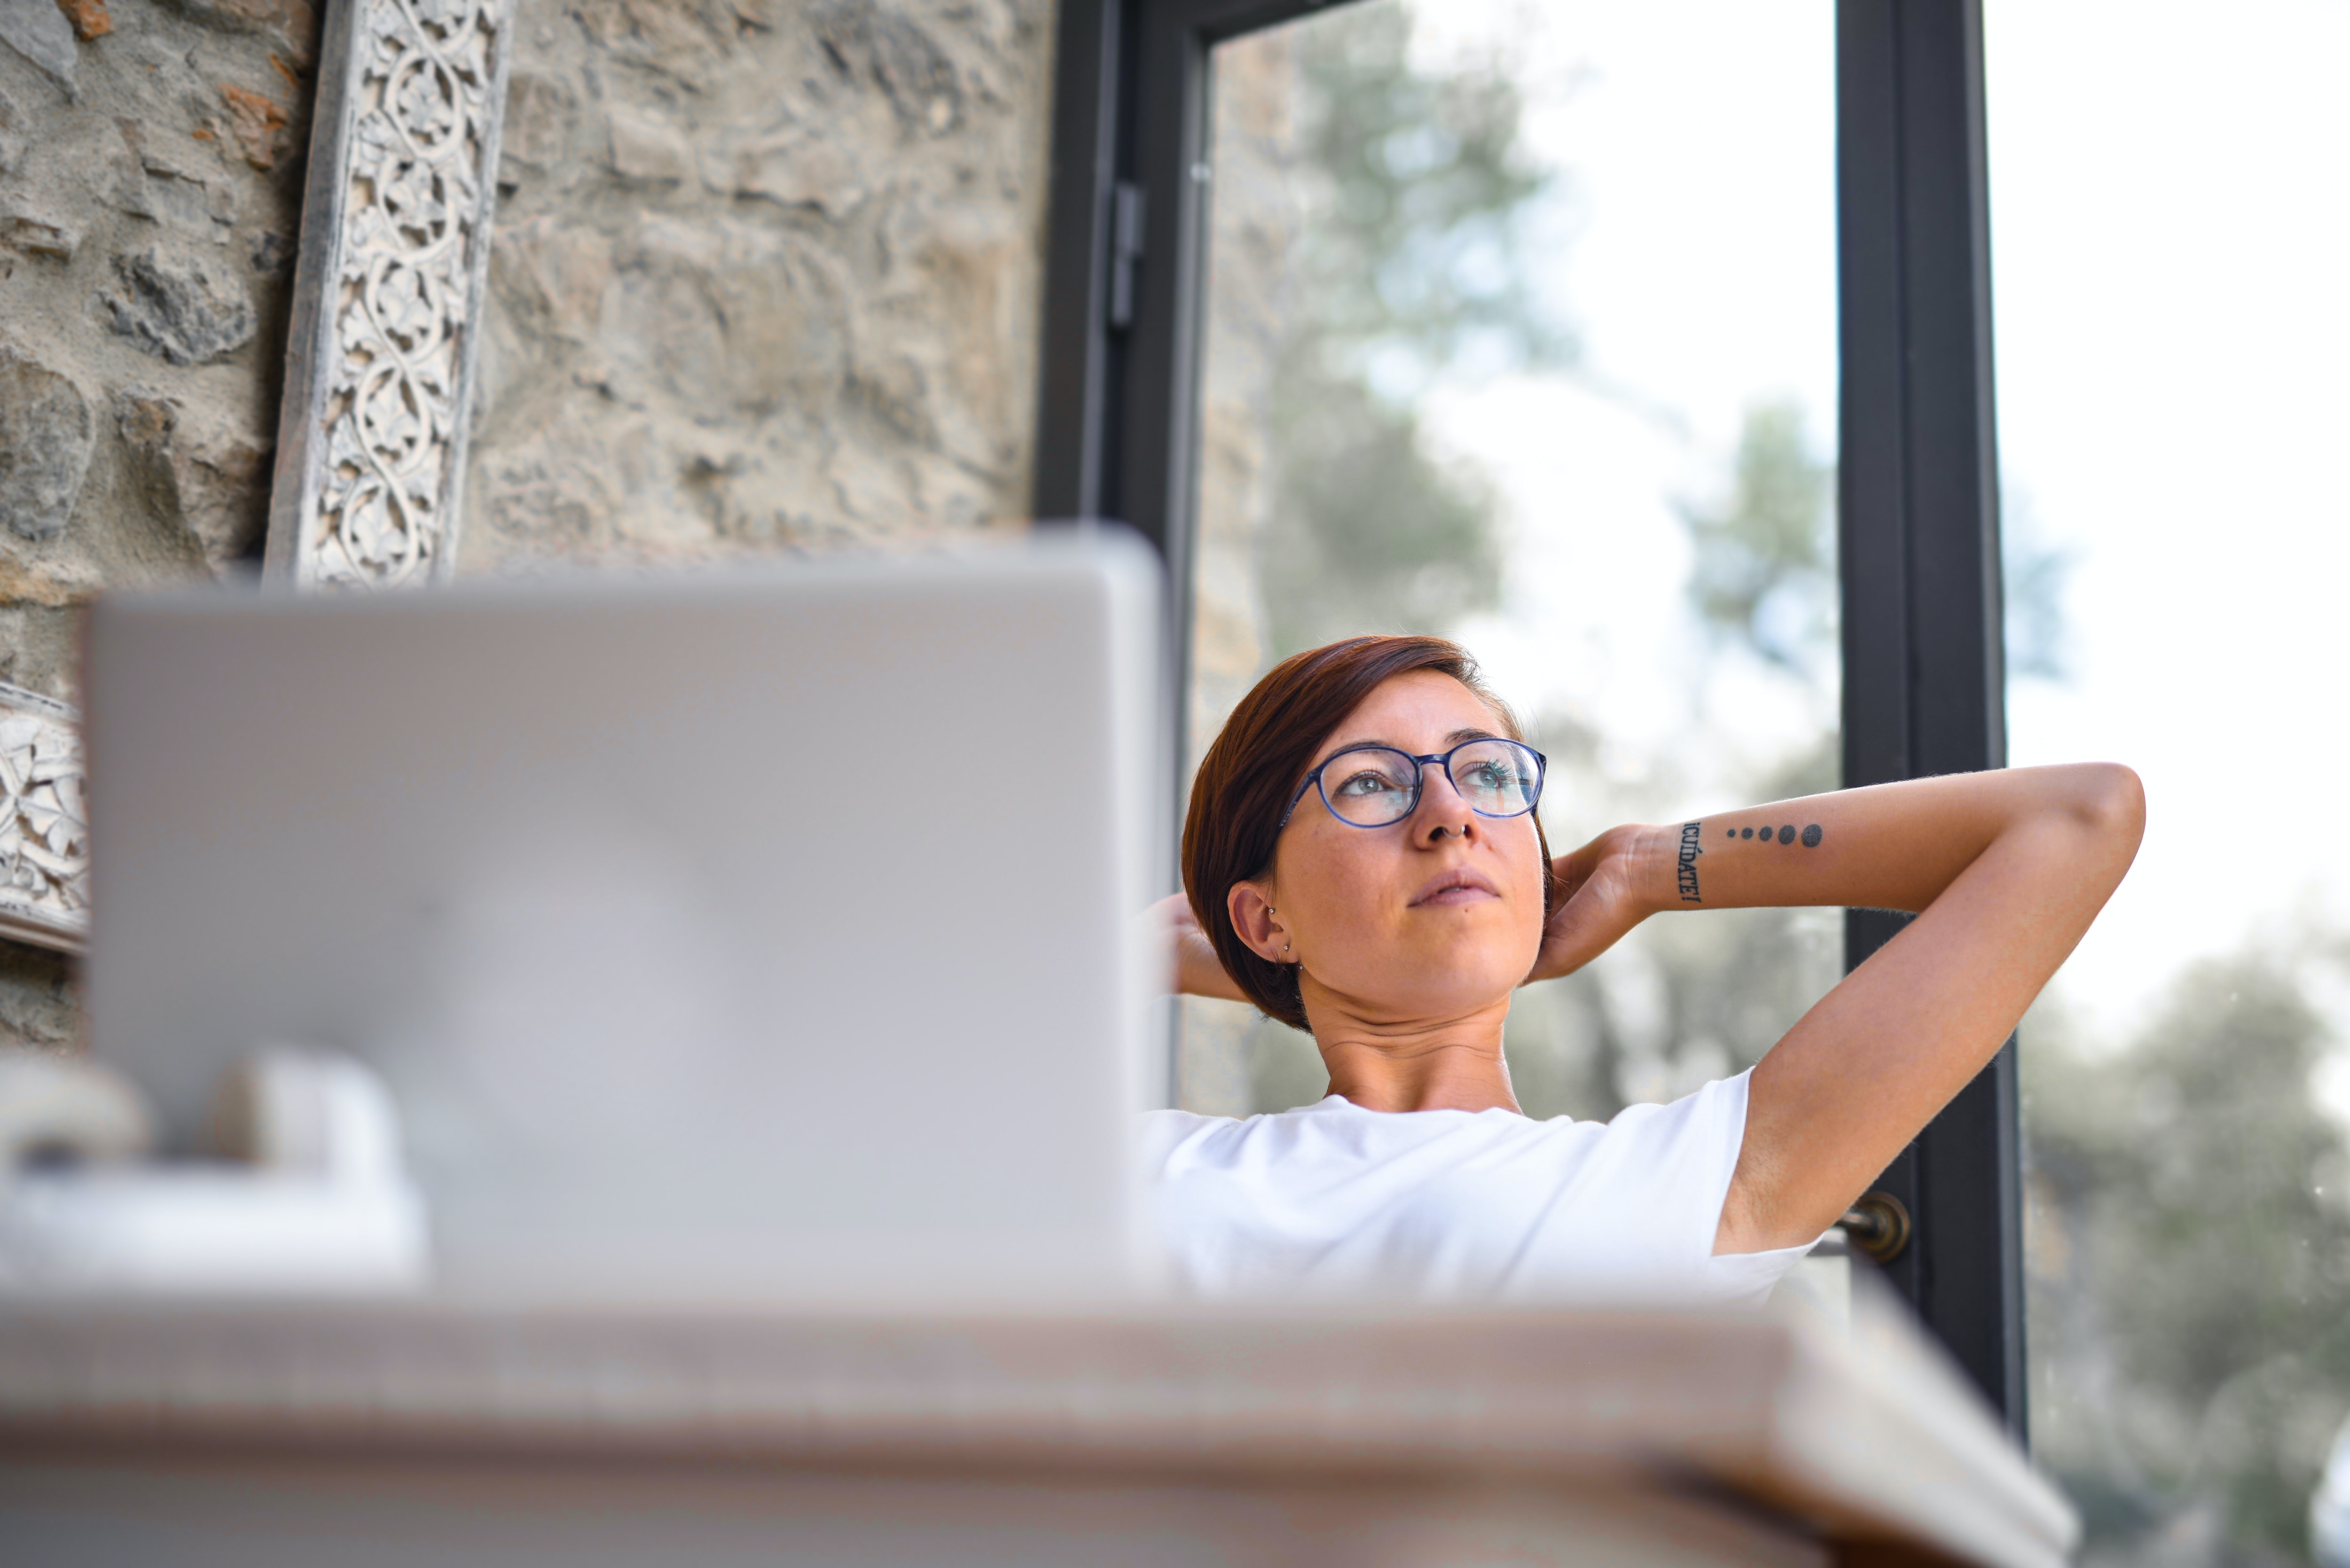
[54,1105]
[315,1200]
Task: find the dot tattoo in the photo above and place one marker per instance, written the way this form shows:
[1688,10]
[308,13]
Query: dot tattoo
[1787,834]
[1812,837]
[1748,834]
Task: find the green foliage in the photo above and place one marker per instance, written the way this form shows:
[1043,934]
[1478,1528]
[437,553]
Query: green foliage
[1409,266]
[1766,571]
[1411,245]
[2188,1264]
[1369,531]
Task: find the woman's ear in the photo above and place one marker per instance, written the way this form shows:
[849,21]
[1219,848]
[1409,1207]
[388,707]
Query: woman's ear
[1260,925]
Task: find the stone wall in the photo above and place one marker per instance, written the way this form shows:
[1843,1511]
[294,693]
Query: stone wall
[765,277]
[149,193]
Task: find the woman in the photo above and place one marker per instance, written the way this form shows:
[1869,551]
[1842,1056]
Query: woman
[1362,860]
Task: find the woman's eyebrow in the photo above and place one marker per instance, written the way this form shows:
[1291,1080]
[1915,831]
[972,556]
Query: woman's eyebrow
[1456,738]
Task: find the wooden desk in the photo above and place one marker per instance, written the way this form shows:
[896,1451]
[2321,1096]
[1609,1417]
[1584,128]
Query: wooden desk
[426,1433]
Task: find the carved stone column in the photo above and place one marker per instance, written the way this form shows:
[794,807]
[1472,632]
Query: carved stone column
[387,292]
[44,830]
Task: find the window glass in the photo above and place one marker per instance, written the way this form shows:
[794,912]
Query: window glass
[2169,249]
[1521,328]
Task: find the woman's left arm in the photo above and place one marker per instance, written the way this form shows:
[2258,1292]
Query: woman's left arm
[2004,871]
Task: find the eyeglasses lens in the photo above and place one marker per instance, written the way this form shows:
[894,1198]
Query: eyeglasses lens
[1496,778]
[1372,787]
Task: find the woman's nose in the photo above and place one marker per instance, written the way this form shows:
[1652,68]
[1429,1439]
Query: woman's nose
[1443,811]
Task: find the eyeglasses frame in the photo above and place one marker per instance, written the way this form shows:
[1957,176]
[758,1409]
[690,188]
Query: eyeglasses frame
[1419,782]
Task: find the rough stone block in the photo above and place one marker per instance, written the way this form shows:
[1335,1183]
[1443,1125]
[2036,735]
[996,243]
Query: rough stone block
[88,19]
[12,135]
[39,1006]
[187,310]
[212,482]
[292,20]
[540,114]
[649,148]
[256,124]
[904,61]
[801,169]
[40,648]
[39,234]
[185,206]
[37,30]
[173,184]
[560,273]
[46,435]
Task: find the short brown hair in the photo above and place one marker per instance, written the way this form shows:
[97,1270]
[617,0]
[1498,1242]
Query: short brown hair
[1262,755]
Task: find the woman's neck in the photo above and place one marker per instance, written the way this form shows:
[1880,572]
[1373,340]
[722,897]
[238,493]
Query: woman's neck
[1420,1065]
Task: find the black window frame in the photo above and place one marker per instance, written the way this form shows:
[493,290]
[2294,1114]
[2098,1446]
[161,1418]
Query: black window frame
[1918,492]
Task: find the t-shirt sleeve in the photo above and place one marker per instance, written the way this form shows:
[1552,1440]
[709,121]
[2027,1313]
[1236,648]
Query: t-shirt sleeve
[1635,1212]
[1153,1138]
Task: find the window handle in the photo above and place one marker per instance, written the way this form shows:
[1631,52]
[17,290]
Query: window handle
[1879,1225]
[1125,251]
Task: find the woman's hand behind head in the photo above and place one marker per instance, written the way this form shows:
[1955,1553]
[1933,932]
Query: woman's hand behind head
[1602,890]
[1194,969]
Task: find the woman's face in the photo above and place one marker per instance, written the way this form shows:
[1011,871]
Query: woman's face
[1431,917]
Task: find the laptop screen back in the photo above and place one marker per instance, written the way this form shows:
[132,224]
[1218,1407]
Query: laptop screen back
[748,936]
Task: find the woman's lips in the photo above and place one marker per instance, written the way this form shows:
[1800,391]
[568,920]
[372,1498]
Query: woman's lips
[1456,888]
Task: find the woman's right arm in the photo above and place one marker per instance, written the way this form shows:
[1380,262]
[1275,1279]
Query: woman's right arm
[1198,970]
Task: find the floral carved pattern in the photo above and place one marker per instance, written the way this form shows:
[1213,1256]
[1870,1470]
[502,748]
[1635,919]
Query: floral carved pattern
[398,284]
[44,829]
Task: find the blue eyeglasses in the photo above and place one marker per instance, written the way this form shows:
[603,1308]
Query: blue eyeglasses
[1379,785]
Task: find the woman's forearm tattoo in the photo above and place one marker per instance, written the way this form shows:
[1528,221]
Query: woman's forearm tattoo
[1784,833]
[1690,850]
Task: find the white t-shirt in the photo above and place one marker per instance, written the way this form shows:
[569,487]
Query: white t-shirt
[1331,1199]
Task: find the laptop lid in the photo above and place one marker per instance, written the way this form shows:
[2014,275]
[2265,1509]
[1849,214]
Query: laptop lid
[749,935]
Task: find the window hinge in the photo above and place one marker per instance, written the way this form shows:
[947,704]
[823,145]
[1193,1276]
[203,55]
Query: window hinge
[1125,251]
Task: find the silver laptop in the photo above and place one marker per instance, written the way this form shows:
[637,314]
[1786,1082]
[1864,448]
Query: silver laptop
[758,935]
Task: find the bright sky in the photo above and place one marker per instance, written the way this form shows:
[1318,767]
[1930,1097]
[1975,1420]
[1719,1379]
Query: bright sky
[2171,244]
